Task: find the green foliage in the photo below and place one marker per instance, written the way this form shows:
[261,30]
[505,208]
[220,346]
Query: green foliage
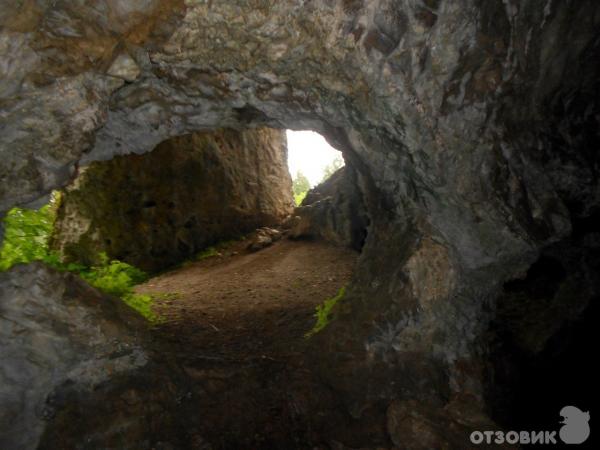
[142,303]
[116,278]
[26,234]
[113,277]
[218,248]
[299,198]
[300,183]
[323,312]
[332,167]
[208,252]
[26,239]
[300,186]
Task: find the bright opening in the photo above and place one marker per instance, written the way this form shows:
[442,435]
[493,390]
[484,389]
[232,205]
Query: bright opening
[311,160]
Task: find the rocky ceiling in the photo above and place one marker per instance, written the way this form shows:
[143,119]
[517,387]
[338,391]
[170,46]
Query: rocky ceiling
[473,127]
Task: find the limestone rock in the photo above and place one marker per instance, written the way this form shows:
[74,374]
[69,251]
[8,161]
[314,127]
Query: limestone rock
[420,426]
[72,358]
[157,209]
[334,210]
[263,237]
[124,67]
[472,125]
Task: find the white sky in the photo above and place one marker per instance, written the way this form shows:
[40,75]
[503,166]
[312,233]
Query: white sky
[309,153]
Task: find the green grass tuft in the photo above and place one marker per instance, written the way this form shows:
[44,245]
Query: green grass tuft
[323,312]
[208,252]
[215,250]
[113,277]
[142,303]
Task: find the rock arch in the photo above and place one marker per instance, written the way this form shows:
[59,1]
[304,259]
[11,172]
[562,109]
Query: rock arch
[471,128]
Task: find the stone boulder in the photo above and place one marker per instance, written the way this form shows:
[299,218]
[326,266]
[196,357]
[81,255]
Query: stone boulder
[334,211]
[157,209]
[77,368]
[263,237]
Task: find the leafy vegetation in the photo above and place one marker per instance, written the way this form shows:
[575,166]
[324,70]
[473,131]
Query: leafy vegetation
[142,303]
[113,277]
[300,186]
[323,312]
[26,237]
[299,198]
[26,234]
[208,252]
[216,249]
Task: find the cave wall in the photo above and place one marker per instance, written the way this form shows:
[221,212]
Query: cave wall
[78,368]
[157,209]
[334,211]
[473,125]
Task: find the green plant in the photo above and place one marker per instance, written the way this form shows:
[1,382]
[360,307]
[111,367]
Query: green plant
[113,277]
[117,278]
[216,249]
[298,198]
[26,234]
[300,186]
[142,303]
[26,238]
[323,312]
[208,252]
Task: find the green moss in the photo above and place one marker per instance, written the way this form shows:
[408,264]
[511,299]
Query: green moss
[300,186]
[215,250]
[323,312]
[142,303]
[208,252]
[112,276]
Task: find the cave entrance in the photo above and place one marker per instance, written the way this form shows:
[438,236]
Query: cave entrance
[241,318]
[195,197]
[311,161]
[258,289]
[239,310]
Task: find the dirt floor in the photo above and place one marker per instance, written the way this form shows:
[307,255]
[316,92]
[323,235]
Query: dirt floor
[237,323]
[240,305]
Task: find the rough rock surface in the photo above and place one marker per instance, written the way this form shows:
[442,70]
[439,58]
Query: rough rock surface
[541,332]
[473,125]
[66,351]
[334,210]
[263,237]
[157,209]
